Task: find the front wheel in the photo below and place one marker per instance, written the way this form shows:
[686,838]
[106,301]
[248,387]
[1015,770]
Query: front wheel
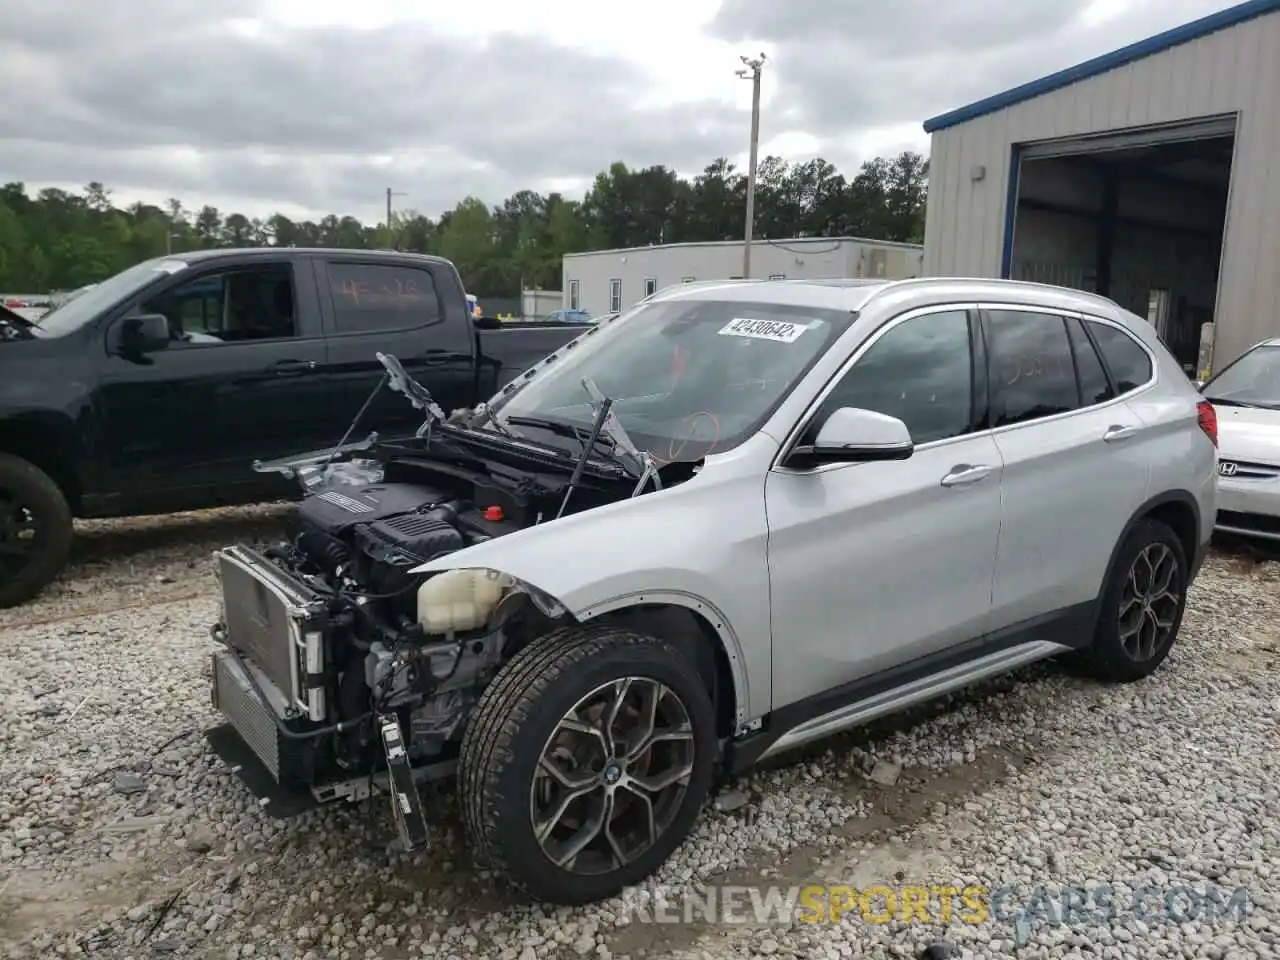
[587,762]
[35,530]
[1142,605]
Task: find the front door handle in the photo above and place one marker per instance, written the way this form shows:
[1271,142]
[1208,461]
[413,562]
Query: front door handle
[964,474]
[285,367]
[1118,432]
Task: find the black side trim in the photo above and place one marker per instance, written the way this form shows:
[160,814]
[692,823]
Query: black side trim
[1072,627]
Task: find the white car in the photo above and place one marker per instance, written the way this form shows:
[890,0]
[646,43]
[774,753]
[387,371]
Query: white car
[734,519]
[1246,396]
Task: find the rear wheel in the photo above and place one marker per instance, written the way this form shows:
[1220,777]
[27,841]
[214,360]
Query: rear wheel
[587,762]
[35,530]
[1143,605]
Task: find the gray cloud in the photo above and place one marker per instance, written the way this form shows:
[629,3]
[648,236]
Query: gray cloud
[172,98]
[841,66]
[303,116]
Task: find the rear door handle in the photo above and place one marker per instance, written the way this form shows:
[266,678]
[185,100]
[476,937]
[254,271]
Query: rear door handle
[1118,432]
[964,474]
[285,367]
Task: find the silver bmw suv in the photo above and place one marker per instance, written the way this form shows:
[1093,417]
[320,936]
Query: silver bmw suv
[731,520]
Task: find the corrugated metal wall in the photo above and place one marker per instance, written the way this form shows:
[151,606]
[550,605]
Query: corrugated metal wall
[1236,69]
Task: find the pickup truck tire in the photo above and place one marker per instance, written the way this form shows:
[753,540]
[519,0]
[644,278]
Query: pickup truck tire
[35,530]
[1142,605]
[540,767]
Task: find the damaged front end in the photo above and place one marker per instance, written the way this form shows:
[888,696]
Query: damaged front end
[343,669]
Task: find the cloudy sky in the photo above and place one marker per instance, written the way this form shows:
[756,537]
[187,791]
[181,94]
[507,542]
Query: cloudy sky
[317,106]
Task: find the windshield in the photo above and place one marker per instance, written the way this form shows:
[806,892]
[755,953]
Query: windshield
[79,310]
[688,377]
[1253,380]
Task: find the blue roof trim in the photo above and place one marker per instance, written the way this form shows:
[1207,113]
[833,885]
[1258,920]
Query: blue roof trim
[1194,30]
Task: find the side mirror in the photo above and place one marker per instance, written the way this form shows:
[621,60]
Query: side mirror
[145,333]
[487,323]
[853,435]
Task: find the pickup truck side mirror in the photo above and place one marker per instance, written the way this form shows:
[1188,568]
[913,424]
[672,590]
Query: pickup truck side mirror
[853,435]
[144,333]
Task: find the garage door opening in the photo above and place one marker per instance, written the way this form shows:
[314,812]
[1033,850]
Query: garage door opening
[1137,217]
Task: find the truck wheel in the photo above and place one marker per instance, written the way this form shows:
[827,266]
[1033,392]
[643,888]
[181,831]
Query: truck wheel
[35,530]
[1142,605]
[587,762]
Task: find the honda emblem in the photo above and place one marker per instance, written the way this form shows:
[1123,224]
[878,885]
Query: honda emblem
[1227,469]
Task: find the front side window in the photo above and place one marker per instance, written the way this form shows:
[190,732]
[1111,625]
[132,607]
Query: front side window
[688,377]
[231,306]
[1032,372]
[1252,381]
[918,371]
[369,297]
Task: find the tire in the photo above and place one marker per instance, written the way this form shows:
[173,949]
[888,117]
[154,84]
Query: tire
[1115,657]
[25,487]
[504,786]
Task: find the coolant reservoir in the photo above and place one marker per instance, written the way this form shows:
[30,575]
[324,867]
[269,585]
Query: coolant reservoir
[460,599]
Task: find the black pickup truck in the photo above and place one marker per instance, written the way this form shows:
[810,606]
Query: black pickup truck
[157,389]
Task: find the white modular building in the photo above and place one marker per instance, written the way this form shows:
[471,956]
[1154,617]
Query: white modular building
[1148,175]
[603,281]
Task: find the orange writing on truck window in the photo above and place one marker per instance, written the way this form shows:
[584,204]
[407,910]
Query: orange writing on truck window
[352,290]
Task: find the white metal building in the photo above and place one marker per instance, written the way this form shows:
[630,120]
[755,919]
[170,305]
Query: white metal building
[605,280]
[1148,175]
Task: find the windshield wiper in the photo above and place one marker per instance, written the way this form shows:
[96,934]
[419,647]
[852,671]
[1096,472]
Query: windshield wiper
[637,461]
[561,427]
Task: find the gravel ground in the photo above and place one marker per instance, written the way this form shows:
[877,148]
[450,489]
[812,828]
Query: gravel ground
[121,836]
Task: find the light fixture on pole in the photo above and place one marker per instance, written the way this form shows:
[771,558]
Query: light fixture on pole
[752,69]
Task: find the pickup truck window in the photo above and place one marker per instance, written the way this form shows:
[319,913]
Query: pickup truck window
[230,306]
[90,304]
[376,297]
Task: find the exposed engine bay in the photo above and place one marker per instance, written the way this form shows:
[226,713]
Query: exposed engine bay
[333,645]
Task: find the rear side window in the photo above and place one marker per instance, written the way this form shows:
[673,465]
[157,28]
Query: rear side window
[370,297]
[1129,364]
[1032,372]
[1094,387]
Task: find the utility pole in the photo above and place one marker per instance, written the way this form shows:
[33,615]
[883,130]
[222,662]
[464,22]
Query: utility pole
[753,68]
[391,193]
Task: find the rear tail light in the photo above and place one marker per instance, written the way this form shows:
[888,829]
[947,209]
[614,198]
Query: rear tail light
[1208,418]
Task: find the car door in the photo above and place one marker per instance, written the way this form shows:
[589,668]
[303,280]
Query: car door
[1075,468]
[875,565]
[241,379]
[396,308]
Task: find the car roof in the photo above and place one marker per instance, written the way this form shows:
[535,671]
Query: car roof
[196,256]
[858,294]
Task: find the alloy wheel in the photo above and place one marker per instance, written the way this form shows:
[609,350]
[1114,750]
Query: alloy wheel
[1149,602]
[612,776]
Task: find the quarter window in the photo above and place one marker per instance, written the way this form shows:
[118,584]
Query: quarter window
[1032,372]
[369,297]
[1129,364]
[918,371]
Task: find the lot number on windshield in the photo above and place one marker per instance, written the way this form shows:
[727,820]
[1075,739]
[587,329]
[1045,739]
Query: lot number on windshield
[763,330]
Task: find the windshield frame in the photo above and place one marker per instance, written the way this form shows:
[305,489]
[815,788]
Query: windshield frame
[80,311]
[1228,401]
[608,328]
